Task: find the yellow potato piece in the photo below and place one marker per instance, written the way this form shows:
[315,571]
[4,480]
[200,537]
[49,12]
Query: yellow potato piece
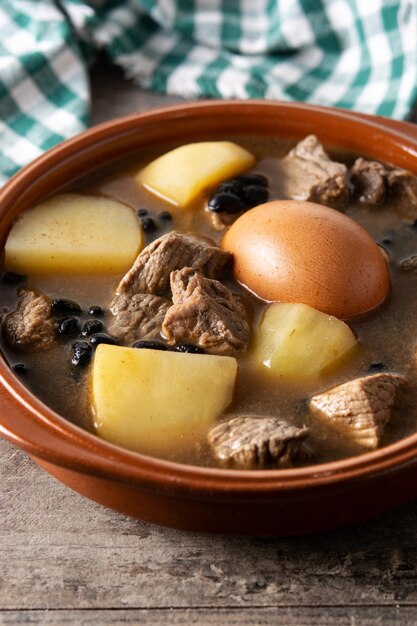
[74,233]
[182,174]
[156,402]
[297,343]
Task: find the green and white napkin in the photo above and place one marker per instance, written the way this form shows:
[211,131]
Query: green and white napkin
[355,54]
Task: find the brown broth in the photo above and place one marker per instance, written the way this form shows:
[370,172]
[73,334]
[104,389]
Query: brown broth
[388,336]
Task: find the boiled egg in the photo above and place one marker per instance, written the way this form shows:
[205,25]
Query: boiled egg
[293,251]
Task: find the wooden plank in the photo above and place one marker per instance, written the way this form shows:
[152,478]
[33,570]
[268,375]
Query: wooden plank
[59,550]
[309,616]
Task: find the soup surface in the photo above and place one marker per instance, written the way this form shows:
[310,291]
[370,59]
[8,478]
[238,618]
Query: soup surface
[387,337]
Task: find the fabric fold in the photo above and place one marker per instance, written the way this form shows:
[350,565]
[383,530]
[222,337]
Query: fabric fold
[344,53]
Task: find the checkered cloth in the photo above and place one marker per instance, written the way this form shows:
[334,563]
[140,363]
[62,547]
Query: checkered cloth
[355,54]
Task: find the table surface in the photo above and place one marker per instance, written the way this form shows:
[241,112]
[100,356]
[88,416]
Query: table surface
[66,560]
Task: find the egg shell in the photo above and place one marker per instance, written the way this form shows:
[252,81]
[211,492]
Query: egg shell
[293,251]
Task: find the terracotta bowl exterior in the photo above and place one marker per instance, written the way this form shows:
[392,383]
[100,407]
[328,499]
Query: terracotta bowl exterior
[276,502]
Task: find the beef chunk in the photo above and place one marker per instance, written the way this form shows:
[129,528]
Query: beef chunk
[368,179]
[372,182]
[205,313]
[362,406]
[137,317]
[255,442]
[404,183]
[31,325]
[187,282]
[151,271]
[410,264]
[309,174]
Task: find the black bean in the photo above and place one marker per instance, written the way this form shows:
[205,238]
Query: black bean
[189,348]
[253,179]
[19,368]
[95,311]
[60,306]
[92,326]
[103,338]
[150,345]
[254,195]
[386,242]
[231,186]
[142,212]
[67,326]
[148,224]
[165,216]
[376,367]
[81,353]
[225,202]
[11,278]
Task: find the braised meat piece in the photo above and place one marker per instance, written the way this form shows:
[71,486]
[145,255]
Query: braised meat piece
[372,182]
[362,406]
[205,313]
[368,180]
[309,174]
[151,271]
[137,317]
[256,442]
[404,183]
[31,325]
[410,264]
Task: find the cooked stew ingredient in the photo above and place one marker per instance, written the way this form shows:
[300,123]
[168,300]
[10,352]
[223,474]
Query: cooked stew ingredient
[205,313]
[256,442]
[128,355]
[182,174]
[74,233]
[295,251]
[226,202]
[150,345]
[239,194]
[160,399]
[137,316]
[152,269]
[96,311]
[60,306]
[307,173]
[67,327]
[92,326]
[374,182]
[362,406]
[294,342]
[189,348]
[148,224]
[98,338]
[81,353]
[31,325]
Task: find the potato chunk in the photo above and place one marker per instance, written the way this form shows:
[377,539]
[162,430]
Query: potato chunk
[74,233]
[297,343]
[156,402]
[182,174]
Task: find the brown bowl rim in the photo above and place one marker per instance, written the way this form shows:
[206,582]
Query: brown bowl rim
[30,424]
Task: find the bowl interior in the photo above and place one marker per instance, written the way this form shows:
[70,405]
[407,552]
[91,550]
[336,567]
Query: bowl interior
[28,422]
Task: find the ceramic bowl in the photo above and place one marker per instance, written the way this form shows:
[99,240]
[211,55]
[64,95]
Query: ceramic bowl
[274,502]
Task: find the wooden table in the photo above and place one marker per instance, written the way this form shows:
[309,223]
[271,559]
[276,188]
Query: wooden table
[65,560]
